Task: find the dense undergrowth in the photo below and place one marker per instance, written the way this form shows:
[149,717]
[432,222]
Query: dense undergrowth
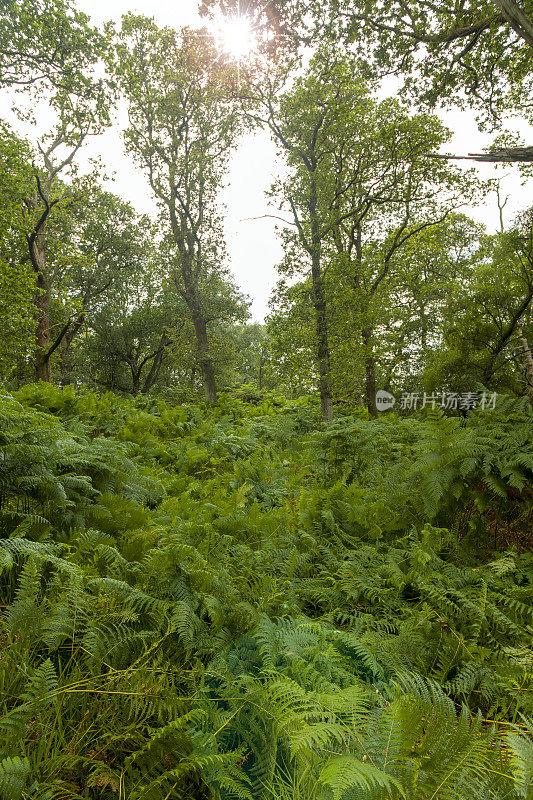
[234,603]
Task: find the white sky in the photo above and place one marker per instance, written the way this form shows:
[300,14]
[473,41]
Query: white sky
[253,246]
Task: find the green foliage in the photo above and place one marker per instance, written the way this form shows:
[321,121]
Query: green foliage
[363,189]
[16,279]
[230,600]
[13,775]
[182,124]
[463,54]
[230,603]
[487,318]
[49,42]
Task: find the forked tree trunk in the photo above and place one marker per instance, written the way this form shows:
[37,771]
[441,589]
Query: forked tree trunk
[153,374]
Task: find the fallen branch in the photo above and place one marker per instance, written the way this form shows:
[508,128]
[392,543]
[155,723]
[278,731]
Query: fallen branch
[498,154]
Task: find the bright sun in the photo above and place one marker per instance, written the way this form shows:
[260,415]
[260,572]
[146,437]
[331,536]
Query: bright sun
[235,36]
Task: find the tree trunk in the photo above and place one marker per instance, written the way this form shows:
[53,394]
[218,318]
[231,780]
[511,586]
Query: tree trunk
[527,359]
[319,301]
[42,333]
[261,370]
[370,374]
[323,353]
[135,376]
[189,292]
[206,362]
[153,374]
[66,350]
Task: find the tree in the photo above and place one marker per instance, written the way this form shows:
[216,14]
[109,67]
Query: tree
[182,125]
[79,114]
[42,206]
[47,42]
[129,343]
[111,245]
[359,188]
[50,45]
[307,123]
[470,53]
[16,280]
[45,208]
[488,323]
[473,51]
[430,267]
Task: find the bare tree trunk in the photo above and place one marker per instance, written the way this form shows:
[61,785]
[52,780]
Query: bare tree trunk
[323,353]
[261,369]
[319,301]
[42,332]
[323,358]
[527,360]
[66,349]
[206,362]
[370,374]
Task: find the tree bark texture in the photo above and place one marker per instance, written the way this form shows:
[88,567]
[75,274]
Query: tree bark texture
[370,374]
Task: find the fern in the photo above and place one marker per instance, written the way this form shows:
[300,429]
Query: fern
[14,774]
[233,603]
[348,773]
[521,745]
